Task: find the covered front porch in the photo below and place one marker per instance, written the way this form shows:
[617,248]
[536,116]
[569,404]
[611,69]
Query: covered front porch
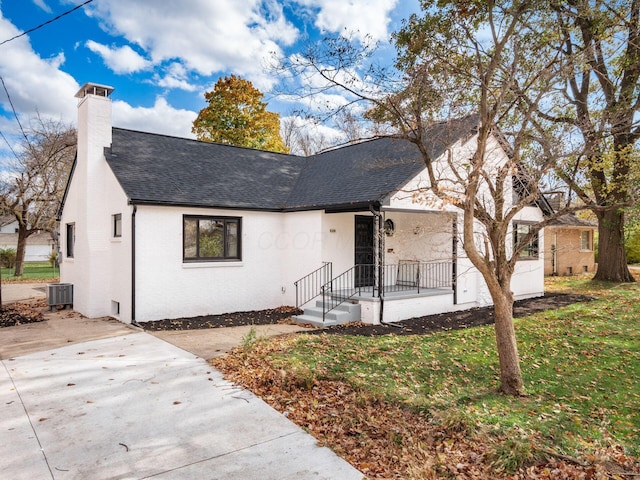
[405,265]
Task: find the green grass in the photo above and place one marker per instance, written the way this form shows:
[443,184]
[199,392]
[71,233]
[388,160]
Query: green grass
[33,272]
[581,367]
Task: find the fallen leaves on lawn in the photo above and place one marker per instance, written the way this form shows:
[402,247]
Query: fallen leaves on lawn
[384,440]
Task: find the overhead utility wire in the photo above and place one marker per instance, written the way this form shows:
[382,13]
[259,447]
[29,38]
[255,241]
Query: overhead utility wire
[9,145]
[14,110]
[3,84]
[47,22]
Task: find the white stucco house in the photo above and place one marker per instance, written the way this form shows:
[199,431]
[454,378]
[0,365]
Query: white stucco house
[156,227]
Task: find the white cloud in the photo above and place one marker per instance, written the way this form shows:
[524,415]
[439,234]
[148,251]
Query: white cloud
[362,18]
[34,83]
[316,94]
[161,118]
[308,136]
[208,37]
[119,59]
[176,77]
[43,5]
[37,85]
[181,46]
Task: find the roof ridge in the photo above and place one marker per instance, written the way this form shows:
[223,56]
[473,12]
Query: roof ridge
[204,142]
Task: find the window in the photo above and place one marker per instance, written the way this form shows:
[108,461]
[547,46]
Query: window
[71,238]
[211,238]
[520,232]
[117,225]
[585,240]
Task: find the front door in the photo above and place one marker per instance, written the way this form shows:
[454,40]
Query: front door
[364,258]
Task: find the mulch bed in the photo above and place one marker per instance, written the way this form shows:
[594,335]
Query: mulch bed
[456,320]
[21,314]
[414,326]
[236,319]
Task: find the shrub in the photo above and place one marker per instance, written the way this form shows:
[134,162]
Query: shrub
[249,340]
[512,454]
[53,258]
[8,257]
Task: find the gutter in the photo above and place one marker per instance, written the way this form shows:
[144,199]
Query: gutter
[333,208]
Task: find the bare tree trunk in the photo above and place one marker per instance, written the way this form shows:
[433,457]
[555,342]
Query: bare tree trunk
[21,249]
[510,375]
[612,261]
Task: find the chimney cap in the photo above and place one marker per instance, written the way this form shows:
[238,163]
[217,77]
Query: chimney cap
[94,89]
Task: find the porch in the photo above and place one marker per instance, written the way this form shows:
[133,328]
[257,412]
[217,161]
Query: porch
[366,292]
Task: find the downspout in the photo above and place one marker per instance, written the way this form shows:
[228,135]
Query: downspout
[133,267]
[454,261]
[375,210]
[554,255]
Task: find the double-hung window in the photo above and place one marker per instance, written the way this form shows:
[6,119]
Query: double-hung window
[585,241]
[208,238]
[520,233]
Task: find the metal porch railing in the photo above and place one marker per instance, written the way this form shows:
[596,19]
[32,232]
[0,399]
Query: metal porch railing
[405,276]
[345,286]
[408,275]
[309,286]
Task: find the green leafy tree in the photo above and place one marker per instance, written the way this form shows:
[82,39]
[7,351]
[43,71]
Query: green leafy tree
[237,115]
[599,99]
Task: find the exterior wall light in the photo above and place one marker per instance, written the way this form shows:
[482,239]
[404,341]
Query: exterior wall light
[389,227]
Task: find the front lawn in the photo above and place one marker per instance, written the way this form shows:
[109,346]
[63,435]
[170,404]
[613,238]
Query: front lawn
[33,272]
[427,406]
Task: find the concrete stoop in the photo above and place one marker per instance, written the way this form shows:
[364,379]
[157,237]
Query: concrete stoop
[344,313]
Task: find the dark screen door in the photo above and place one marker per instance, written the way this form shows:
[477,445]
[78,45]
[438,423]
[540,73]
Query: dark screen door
[364,257]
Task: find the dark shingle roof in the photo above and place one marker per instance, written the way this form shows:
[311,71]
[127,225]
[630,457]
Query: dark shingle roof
[356,174]
[370,170]
[176,171]
[159,169]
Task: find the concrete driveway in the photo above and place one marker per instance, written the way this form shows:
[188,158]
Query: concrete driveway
[132,406]
[14,292]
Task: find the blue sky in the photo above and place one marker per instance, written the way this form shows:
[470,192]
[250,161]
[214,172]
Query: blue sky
[161,56]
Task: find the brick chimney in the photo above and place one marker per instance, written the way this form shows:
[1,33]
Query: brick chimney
[86,211]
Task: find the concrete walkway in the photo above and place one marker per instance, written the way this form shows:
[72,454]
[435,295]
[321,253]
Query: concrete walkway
[15,292]
[95,398]
[214,342]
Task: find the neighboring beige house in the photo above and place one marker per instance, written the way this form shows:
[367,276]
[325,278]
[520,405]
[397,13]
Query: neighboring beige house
[569,246]
[39,245]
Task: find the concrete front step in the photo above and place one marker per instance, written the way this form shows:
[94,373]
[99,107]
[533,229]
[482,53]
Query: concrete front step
[343,313]
[313,320]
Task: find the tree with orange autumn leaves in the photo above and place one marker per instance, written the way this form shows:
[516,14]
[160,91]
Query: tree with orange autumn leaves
[237,115]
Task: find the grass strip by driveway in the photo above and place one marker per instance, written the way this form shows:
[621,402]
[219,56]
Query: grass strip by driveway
[444,417]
